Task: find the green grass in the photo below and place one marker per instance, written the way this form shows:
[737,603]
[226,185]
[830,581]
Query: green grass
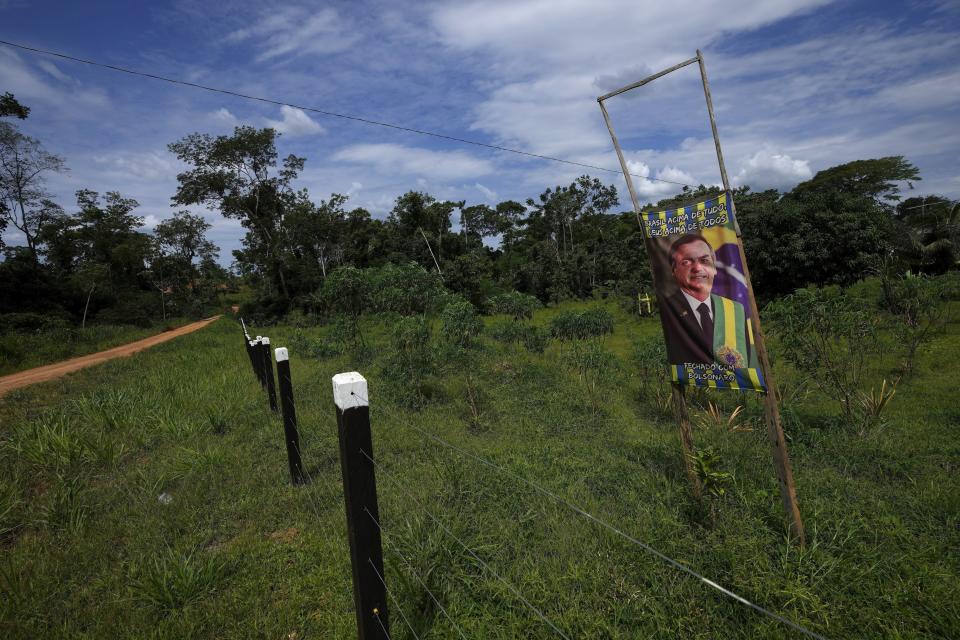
[150,497]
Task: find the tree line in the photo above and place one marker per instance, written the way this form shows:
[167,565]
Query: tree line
[569,242]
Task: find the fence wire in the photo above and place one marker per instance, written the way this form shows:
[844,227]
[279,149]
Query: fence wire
[613,529]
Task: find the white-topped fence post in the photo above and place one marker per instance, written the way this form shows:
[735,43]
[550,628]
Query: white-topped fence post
[360,495]
[290,435]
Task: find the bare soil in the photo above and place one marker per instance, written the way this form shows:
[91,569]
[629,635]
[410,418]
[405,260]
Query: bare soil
[58,369]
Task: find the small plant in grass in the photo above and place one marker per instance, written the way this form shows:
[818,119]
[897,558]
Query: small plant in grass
[827,335]
[174,579]
[594,366]
[707,464]
[65,510]
[713,417]
[874,403]
[49,442]
[649,358]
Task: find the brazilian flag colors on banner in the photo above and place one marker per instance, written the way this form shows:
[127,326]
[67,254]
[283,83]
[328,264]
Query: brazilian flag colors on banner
[703,296]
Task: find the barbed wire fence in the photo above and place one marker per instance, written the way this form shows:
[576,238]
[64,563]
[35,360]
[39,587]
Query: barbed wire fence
[371,559]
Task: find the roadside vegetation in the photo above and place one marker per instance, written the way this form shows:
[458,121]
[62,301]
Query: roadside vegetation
[150,496]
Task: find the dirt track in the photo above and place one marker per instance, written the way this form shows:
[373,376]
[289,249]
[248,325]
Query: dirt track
[51,371]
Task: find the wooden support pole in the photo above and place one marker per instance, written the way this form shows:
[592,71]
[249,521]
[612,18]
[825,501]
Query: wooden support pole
[679,401]
[290,435]
[360,495]
[686,437]
[268,374]
[771,411]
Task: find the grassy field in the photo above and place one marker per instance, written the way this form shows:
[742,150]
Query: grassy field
[150,498]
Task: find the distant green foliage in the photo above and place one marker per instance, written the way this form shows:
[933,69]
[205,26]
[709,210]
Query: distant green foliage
[578,325]
[404,289]
[519,305]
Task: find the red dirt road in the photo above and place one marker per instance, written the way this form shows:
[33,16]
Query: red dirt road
[51,371]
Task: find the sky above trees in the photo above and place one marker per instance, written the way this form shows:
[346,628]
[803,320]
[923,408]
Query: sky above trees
[799,86]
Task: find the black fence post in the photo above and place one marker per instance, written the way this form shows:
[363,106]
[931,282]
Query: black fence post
[257,359]
[290,435]
[268,373]
[360,495]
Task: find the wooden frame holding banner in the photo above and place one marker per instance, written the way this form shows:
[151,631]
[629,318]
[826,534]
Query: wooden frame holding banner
[707,307]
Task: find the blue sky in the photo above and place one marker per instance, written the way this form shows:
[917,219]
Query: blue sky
[798,86]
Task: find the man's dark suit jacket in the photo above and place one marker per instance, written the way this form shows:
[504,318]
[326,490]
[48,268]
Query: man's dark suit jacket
[685,342]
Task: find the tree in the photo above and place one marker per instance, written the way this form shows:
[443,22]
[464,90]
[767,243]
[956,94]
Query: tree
[10,107]
[179,242]
[876,179]
[237,175]
[930,237]
[24,165]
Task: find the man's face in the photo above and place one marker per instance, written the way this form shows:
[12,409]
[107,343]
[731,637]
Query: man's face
[694,269]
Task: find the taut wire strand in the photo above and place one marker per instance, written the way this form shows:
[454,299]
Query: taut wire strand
[466,548]
[613,529]
[332,114]
[413,572]
[393,598]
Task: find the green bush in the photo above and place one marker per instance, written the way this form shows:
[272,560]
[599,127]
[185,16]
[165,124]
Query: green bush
[532,338]
[826,335]
[578,325]
[460,324]
[519,305]
[410,361]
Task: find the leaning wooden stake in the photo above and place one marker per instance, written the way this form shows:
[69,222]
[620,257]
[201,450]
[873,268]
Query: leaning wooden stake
[679,401]
[360,496]
[290,435]
[781,457]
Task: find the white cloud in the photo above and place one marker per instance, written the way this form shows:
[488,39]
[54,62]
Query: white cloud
[658,187]
[223,116]
[295,122]
[394,159]
[767,170]
[290,32]
[488,193]
[130,165]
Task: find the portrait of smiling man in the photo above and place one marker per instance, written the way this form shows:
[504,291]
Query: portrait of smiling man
[699,325]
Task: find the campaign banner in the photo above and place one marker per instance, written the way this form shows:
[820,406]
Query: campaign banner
[703,295]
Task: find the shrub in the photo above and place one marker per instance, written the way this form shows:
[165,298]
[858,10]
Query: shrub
[574,325]
[460,324]
[826,335]
[919,312]
[532,338]
[410,362]
[519,305]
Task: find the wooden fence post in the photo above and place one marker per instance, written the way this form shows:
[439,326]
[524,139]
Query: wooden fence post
[268,373]
[360,496]
[290,435]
